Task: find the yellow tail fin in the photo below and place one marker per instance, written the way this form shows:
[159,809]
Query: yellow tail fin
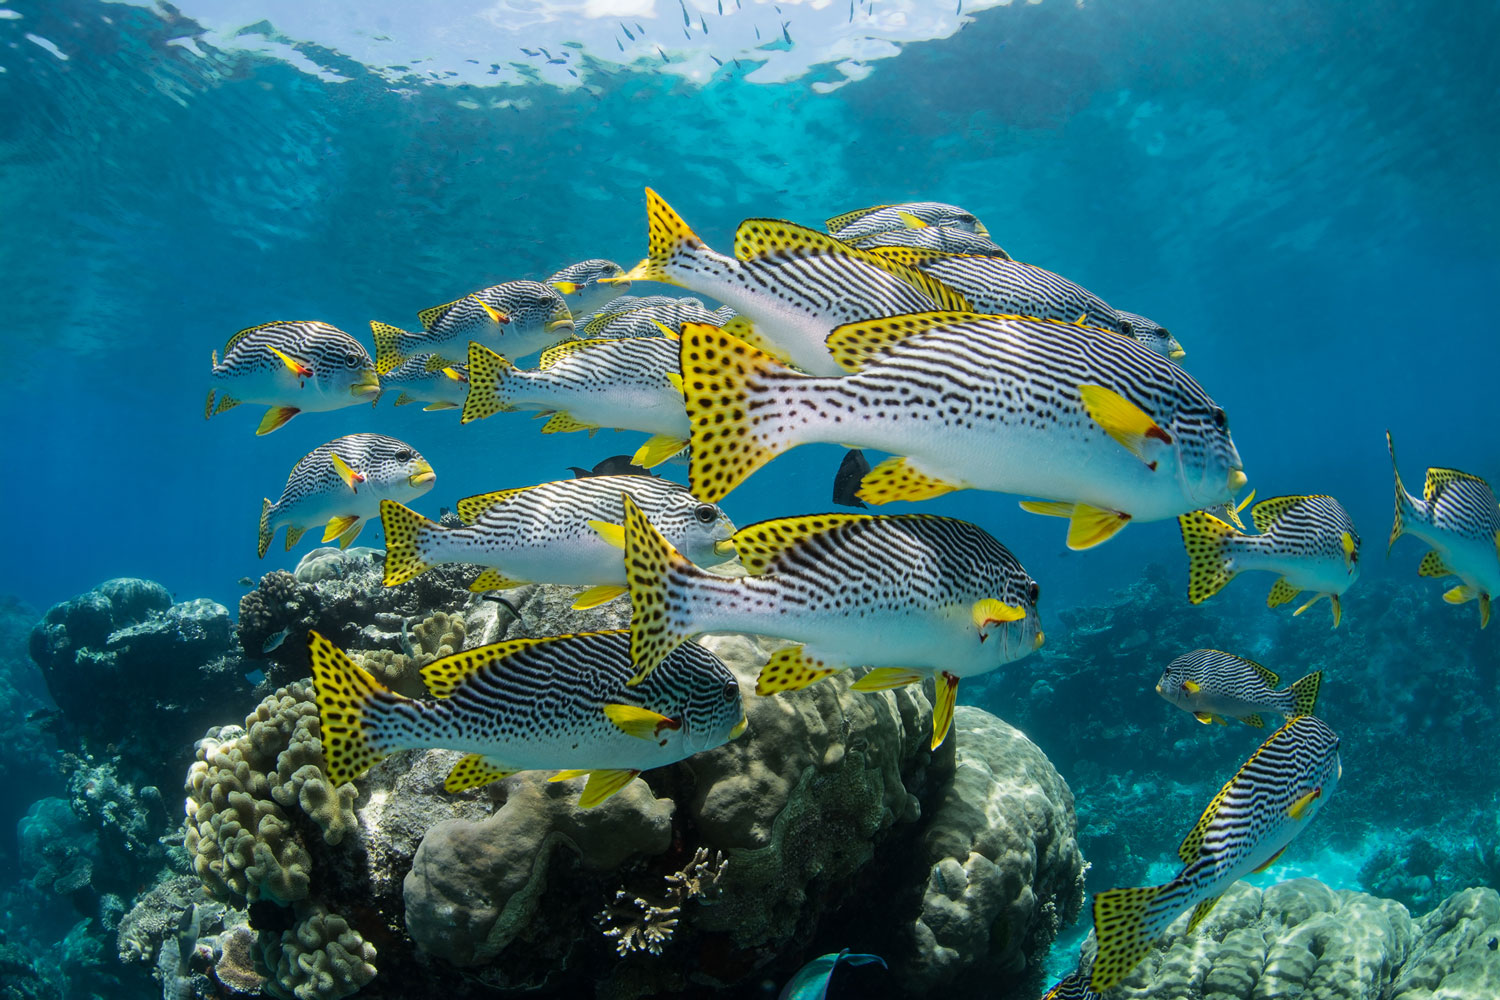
[403,527]
[266,531]
[650,565]
[486,371]
[731,391]
[1120,924]
[669,243]
[1205,538]
[1403,499]
[1305,694]
[387,346]
[345,694]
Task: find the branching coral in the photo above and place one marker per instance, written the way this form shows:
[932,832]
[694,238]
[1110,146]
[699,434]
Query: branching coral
[436,636]
[319,958]
[637,923]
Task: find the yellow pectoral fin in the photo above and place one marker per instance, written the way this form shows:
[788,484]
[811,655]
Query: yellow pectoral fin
[1122,420]
[790,669]
[565,287]
[886,678]
[614,534]
[942,712]
[1091,526]
[297,368]
[275,417]
[351,478]
[1193,687]
[595,596]
[993,612]
[675,379]
[472,771]
[657,450]
[1204,717]
[338,525]
[642,723]
[910,221]
[1298,809]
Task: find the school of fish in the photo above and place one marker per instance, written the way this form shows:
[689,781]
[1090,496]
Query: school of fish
[903,329]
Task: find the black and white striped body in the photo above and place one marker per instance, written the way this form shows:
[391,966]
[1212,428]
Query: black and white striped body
[315,492]
[643,321]
[542,707]
[414,382]
[1302,541]
[1212,682]
[948,239]
[1150,333]
[1457,516]
[996,285]
[993,403]
[541,534]
[888,218]
[336,369]
[623,384]
[581,288]
[894,591]
[535,317]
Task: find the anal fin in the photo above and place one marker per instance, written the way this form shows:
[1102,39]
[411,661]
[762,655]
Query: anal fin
[1281,593]
[790,669]
[493,579]
[1268,862]
[1200,911]
[472,771]
[1433,565]
[897,479]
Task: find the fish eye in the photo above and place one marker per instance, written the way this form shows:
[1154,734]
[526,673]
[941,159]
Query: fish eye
[1127,327]
[351,359]
[731,691]
[1221,419]
[706,513]
[1035,592]
[404,455]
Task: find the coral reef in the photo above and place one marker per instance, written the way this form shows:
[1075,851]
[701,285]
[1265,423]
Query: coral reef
[57,850]
[320,957]
[639,923]
[439,634]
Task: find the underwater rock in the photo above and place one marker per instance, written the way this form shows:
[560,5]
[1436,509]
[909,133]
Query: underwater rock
[56,849]
[129,819]
[1456,954]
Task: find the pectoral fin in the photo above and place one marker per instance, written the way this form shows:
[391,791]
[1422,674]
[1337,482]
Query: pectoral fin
[1122,420]
[990,611]
[595,596]
[351,478]
[1298,809]
[614,534]
[642,723]
[296,367]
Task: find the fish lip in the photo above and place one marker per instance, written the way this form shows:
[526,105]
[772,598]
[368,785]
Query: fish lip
[740,727]
[422,478]
[1177,354]
[1237,480]
[371,388]
[725,547]
[980,229]
[1041,638]
[557,324]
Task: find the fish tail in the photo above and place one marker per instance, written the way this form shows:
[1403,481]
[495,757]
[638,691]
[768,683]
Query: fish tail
[387,346]
[735,398]
[670,244]
[266,531]
[1126,924]
[1206,539]
[487,370]
[350,704]
[657,575]
[404,529]
[1302,696]
[1405,502]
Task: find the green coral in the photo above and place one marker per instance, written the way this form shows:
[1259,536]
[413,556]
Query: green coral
[436,636]
[320,957]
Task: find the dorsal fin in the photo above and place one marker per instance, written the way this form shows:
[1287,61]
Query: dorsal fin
[854,345]
[920,256]
[757,238]
[427,317]
[760,545]
[469,508]
[1266,673]
[1267,512]
[229,344]
[1438,478]
[842,221]
[443,676]
[557,352]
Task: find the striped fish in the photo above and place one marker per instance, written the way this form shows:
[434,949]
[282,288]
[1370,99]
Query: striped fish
[1213,684]
[910,215]
[516,318]
[1074,986]
[1244,829]
[417,381]
[1230,512]
[790,286]
[1106,429]
[291,366]
[1308,541]
[648,321]
[1458,517]
[912,595]
[341,484]
[530,704]
[628,384]
[581,286]
[566,532]
[947,238]
[1150,333]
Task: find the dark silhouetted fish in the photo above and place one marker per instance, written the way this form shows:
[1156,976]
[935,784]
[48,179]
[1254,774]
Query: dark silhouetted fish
[847,480]
[614,465]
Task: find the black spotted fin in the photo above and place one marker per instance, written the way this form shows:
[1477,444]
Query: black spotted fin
[474,771]
[1206,539]
[790,669]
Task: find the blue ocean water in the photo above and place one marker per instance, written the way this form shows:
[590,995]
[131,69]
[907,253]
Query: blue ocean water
[1303,192]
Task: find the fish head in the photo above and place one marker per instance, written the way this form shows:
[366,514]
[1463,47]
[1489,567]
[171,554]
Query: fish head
[1314,752]
[341,367]
[1208,468]
[701,531]
[1151,334]
[395,470]
[589,285]
[714,712]
[1009,626]
[1176,686]
[532,309]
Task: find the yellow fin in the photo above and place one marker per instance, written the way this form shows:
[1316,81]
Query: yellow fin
[351,478]
[565,287]
[910,221]
[349,534]
[427,317]
[1484,610]
[614,534]
[991,611]
[790,669]
[1268,862]
[1192,687]
[293,535]
[404,399]
[1333,600]
[1253,720]
[668,238]
[1305,694]
[1207,718]
[1205,538]
[1298,808]
[387,346]
[1268,512]
[557,352]
[241,335]
[403,527]
[347,697]
[1122,420]
[942,710]
[601,785]
[226,402]
[1433,565]
[642,723]
[1120,917]
[842,221]
[472,771]
[1438,478]
[886,678]
[564,423]
[1090,526]
[298,368]
[1281,593]
[338,525]
[1264,673]
[1461,595]
[430,407]
[1234,510]
[1201,911]
[275,417]
[1048,508]
[897,479]
[760,545]
[487,371]
[650,563]
[595,596]
[469,508]
[493,579]
[741,328]
[855,345]
[657,450]
[675,379]
[266,531]
[443,676]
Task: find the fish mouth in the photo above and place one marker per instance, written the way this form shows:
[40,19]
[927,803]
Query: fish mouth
[367,385]
[1158,689]
[560,324]
[740,727]
[1177,354]
[1041,637]
[1237,480]
[725,548]
[981,230]
[422,476]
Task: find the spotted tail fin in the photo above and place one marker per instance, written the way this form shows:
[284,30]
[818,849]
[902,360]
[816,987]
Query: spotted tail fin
[656,574]
[1126,924]
[670,244]
[1206,539]
[404,529]
[1302,696]
[266,531]
[1406,504]
[349,701]
[487,370]
[387,346]
[735,397]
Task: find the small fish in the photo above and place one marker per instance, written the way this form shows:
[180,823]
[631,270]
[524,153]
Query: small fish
[946,238]
[615,465]
[573,73]
[627,31]
[639,29]
[554,62]
[721,8]
[908,215]
[530,52]
[1245,829]
[291,367]
[790,285]
[407,648]
[516,318]
[811,981]
[851,11]
[1150,333]
[913,595]
[246,581]
[587,384]
[340,484]
[757,32]
[546,53]
[273,642]
[619,45]
[530,704]
[417,381]
[649,320]
[717,61]
[1213,685]
[852,471]
[686,22]
[1073,986]
[703,24]
[1458,517]
[566,532]
[1105,428]
[662,54]
[786,34]
[1308,540]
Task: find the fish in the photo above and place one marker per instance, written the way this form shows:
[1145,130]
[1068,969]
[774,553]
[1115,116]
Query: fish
[1457,516]
[909,215]
[649,320]
[516,318]
[947,238]
[627,31]
[615,465]
[1308,541]
[911,595]
[416,381]
[791,286]
[581,286]
[628,384]
[273,642]
[246,581]
[846,482]
[292,367]
[1150,333]
[1106,430]
[1245,829]
[566,532]
[811,981]
[1073,986]
[340,485]
[559,703]
[1213,685]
